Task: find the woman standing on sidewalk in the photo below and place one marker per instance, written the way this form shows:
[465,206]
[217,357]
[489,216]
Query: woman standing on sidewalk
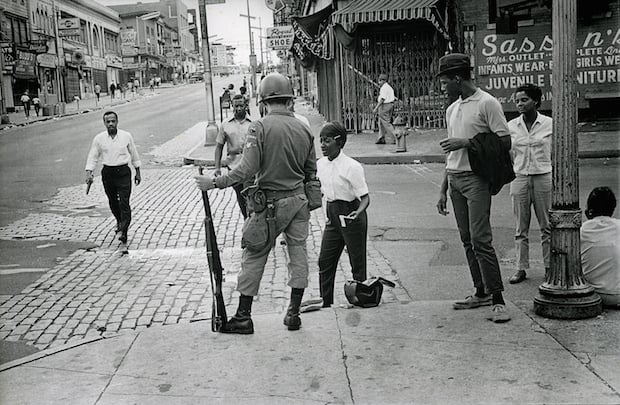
[531,151]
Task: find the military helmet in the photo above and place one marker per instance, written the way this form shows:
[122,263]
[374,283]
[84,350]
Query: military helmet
[275,85]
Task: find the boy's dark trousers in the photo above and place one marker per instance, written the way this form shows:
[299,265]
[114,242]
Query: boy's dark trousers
[117,186]
[335,238]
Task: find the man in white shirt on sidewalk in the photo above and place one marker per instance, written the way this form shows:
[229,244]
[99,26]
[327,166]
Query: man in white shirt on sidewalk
[115,149]
[385,109]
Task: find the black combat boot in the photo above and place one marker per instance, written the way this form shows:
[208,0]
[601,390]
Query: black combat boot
[241,323]
[292,319]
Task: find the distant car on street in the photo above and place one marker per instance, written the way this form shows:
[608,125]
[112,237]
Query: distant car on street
[196,77]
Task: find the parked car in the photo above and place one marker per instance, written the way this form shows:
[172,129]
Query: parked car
[196,77]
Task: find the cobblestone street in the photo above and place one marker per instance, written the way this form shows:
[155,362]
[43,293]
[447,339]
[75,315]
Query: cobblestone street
[163,280]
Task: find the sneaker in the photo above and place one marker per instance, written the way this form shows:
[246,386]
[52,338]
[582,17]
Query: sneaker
[241,326]
[498,314]
[473,301]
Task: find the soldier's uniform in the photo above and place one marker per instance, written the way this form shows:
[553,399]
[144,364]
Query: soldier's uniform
[279,150]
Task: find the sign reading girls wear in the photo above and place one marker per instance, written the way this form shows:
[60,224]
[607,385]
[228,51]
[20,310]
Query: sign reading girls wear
[505,62]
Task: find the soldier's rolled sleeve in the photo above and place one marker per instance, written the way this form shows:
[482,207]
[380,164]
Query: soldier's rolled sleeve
[310,164]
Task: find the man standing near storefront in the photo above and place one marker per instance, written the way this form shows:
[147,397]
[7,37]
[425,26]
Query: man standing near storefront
[385,109]
[473,112]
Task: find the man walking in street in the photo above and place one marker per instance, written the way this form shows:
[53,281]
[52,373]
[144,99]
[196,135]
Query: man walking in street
[97,91]
[473,112]
[115,149]
[279,153]
[25,99]
[233,133]
[112,91]
[385,109]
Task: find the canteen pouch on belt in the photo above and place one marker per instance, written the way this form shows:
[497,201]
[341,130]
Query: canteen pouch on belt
[312,188]
[255,234]
[255,199]
[366,294]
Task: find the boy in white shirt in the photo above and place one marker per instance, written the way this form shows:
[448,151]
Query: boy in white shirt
[344,187]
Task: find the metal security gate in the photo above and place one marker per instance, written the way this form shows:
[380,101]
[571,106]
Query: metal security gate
[409,54]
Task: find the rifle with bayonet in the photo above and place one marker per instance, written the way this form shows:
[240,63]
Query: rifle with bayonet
[218,309]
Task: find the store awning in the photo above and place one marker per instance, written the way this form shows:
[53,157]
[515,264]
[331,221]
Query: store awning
[377,11]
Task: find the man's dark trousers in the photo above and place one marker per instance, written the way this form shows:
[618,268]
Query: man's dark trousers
[117,186]
[335,238]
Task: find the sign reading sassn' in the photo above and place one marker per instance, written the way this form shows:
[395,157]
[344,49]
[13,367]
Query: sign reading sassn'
[280,38]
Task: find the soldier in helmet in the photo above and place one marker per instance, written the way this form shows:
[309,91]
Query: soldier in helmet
[279,153]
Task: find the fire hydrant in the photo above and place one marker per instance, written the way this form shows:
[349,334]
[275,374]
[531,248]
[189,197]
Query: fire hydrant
[401,131]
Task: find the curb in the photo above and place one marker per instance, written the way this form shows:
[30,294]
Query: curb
[69,114]
[53,350]
[404,159]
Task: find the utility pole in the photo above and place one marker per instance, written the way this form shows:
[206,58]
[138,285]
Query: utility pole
[260,39]
[565,293]
[211,130]
[252,54]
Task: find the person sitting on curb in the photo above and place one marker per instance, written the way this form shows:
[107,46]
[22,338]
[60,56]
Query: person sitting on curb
[600,246]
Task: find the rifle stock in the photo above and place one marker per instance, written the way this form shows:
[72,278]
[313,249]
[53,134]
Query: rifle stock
[218,309]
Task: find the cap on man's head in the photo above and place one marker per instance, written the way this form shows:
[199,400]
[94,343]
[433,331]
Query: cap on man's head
[453,62]
[383,76]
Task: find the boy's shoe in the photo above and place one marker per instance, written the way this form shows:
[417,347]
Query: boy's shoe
[241,326]
[123,248]
[498,314]
[473,301]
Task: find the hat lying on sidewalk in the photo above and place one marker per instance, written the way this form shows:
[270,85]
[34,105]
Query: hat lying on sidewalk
[366,294]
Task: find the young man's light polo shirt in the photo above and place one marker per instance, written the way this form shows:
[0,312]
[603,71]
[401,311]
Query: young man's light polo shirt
[480,112]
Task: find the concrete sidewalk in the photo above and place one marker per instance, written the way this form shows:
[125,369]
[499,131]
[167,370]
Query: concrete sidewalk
[413,348]
[422,144]
[398,353]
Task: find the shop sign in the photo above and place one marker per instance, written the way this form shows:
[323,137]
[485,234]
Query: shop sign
[38,46]
[129,50]
[131,65]
[505,62]
[24,64]
[47,60]
[69,23]
[69,33]
[8,53]
[280,38]
[128,37]
[98,63]
[114,61]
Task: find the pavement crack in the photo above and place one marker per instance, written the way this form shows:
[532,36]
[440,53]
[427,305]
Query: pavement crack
[344,358]
[118,366]
[586,363]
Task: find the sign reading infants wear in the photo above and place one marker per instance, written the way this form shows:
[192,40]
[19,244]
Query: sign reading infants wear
[504,62]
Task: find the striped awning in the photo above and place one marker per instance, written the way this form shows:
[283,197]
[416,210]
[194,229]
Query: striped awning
[374,11]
